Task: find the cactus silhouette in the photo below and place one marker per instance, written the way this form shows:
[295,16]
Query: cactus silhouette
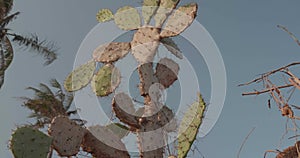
[152,122]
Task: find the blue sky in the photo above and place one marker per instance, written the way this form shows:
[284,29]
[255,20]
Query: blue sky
[245,32]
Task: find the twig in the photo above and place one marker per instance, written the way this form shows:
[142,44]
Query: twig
[269,73]
[291,34]
[246,138]
[266,90]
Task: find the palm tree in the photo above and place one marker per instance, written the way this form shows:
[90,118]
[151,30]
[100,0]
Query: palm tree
[47,103]
[42,47]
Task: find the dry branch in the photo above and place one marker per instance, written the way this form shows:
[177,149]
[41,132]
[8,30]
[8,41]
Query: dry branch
[266,90]
[291,34]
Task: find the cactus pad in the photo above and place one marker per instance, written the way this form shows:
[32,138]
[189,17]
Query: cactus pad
[180,20]
[172,47]
[104,15]
[106,80]
[165,8]
[111,52]
[145,43]
[189,126]
[166,119]
[27,142]
[67,136]
[80,77]
[106,136]
[124,109]
[149,8]
[147,78]
[127,18]
[118,129]
[166,72]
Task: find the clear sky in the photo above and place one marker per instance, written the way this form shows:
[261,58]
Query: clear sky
[245,32]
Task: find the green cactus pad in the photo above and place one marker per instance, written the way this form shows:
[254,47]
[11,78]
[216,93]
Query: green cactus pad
[111,52]
[104,15]
[172,47]
[149,8]
[118,129]
[189,126]
[127,18]
[166,72]
[179,20]
[165,8]
[106,80]
[67,136]
[80,77]
[27,142]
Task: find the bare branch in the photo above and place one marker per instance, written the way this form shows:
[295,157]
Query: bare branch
[269,73]
[246,138]
[291,34]
[266,90]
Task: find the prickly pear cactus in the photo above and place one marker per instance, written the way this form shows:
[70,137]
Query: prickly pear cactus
[127,18]
[124,110]
[104,15]
[99,141]
[166,72]
[106,80]
[189,126]
[67,136]
[118,129]
[165,8]
[148,10]
[111,52]
[172,47]
[106,136]
[27,142]
[145,43]
[80,77]
[179,20]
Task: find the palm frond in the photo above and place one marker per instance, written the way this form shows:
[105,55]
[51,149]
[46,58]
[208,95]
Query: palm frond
[1,78]
[60,93]
[44,88]
[54,83]
[39,94]
[5,7]
[68,101]
[4,22]
[43,47]
[6,56]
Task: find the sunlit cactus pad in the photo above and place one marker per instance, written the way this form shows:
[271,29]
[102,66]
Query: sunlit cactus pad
[180,20]
[104,15]
[127,18]
[165,8]
[80,77]
[166,72]
[111,52]
[67,136]
[145,43]
[106,80]
[189,126]
[149,8]
[27,142]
